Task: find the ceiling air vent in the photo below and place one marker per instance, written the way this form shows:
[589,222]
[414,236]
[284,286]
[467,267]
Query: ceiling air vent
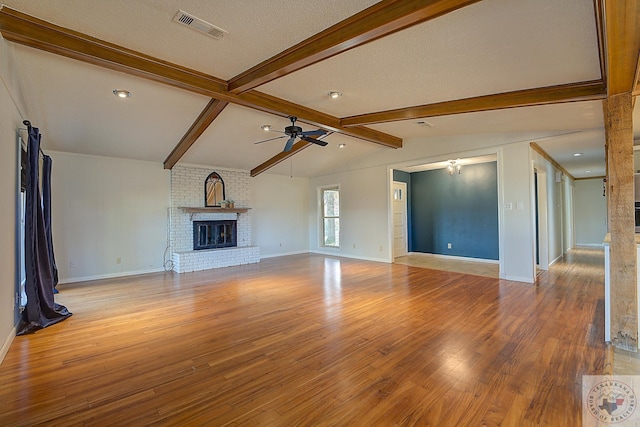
[199,25]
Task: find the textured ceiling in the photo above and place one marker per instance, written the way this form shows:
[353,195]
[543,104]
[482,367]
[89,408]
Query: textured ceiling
[489,47]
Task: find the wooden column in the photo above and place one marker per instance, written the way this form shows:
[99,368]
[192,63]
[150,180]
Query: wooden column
[624,290]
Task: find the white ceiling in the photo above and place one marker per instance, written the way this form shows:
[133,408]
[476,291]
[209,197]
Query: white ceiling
[489,47]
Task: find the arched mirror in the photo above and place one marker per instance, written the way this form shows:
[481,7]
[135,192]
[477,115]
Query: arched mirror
[213,190]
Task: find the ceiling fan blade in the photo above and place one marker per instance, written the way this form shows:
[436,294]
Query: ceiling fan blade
[314,132]
[289,144]
[314,141]
[270,139]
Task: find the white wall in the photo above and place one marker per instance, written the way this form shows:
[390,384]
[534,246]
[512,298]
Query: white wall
[568,221]
[10,121]
[280,213]
[517,238]
[590,212]
[105,209]
[364,213]
[554,209]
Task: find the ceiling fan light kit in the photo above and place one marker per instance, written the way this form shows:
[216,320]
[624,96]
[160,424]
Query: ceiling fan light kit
[294,132]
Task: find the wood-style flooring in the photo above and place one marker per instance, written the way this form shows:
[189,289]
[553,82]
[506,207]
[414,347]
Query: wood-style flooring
[457,265]
[314,340]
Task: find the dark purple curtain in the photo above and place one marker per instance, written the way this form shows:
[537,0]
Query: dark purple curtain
[46,207]
[41,273]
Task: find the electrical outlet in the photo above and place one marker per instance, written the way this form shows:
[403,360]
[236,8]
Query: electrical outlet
[280,244]
[380,248]
[448,245]
[354,246]
[118,261]
[72,264]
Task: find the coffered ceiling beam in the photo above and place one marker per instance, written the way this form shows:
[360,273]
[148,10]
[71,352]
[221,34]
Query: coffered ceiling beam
[535,147]
[582,91]
[636,87]
[24,29]
[280,157]
[598,7]
[622,29]
[379,20]
[206,117]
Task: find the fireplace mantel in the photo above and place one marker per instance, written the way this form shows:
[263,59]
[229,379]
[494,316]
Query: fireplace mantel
[212,209]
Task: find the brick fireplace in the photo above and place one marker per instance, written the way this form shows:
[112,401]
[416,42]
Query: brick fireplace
[187,190]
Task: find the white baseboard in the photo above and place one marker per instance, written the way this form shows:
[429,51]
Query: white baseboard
[456,258]
[283,254]
[109,276]
[555,260]
[7,343]
[343,255]
[589,245]
[519,279]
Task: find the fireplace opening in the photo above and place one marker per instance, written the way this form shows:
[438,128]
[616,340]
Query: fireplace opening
[214,234]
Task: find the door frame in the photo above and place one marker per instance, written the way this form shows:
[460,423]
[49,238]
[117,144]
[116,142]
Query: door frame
[406,216]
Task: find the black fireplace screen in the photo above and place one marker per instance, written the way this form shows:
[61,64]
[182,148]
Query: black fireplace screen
[214,234]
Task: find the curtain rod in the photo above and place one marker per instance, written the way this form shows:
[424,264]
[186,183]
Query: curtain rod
[27,123]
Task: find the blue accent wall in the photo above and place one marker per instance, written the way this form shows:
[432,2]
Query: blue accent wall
[405,177]
[459,209]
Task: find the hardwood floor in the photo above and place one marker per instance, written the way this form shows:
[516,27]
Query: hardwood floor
[314,340]
[457,265]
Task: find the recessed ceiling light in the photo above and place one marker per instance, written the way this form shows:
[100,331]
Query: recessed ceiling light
[122,93]
[265,127]
[577,154]
[587,171]
[334,94]
[342,145]
[424,123]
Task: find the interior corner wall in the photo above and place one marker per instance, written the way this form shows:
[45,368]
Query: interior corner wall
[590,214]
[280,214]
[568,221]
[554,207]
[515,170]
[401,176]
[109,216]
[10,122]
[555,210]
[364,213]
[460,210]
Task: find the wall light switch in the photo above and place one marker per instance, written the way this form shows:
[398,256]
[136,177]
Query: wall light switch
[520,206]
[508,206]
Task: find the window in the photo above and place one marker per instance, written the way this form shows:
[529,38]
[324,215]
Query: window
[330,217]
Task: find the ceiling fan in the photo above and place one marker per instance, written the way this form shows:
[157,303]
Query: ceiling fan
[294,132]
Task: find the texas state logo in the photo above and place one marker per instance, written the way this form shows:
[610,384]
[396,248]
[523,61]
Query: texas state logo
[611,401]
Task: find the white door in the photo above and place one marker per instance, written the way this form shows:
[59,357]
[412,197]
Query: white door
[399,219]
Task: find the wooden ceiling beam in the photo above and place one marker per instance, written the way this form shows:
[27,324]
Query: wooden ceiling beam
[636,86]
[598,7]
[572,92]
[206,117]
[280,157]
[622,29]
[30,31]
[27,30]
[550,159]
[379,20]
